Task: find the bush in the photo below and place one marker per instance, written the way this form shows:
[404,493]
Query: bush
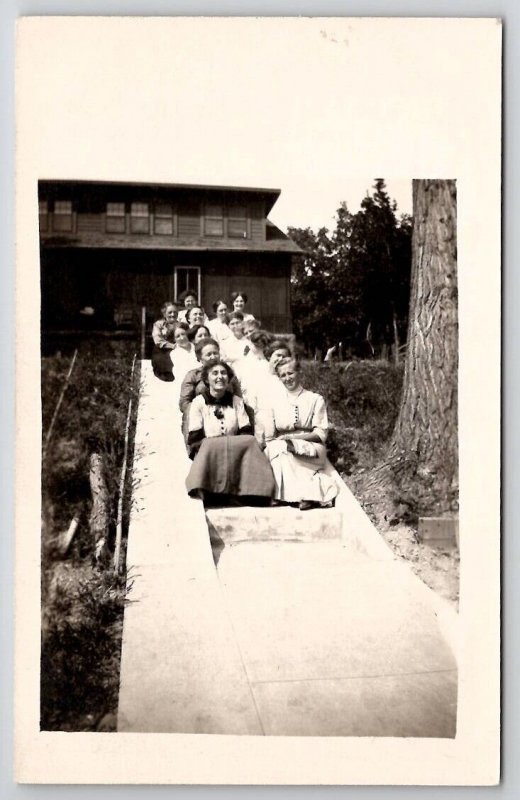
[363,402]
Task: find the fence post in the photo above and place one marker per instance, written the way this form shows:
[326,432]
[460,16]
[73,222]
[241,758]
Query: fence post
[143,332]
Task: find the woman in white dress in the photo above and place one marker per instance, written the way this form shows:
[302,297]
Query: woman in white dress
[236,346]
[253,369]
[183,355]
[295,436]
[239,300]
[218,327]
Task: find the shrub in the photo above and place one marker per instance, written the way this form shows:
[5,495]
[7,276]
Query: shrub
[363,402]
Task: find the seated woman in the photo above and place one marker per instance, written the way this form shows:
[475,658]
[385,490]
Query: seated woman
[207,352]
[295,438]
[236,346]
[228,462]
[196,316]
[218,327]
[198,332]
[253,369]
[189,300]
[183,356]
[239,300]
[163,338]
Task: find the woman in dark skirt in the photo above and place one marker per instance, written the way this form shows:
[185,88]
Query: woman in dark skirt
[228,462]
[163,335]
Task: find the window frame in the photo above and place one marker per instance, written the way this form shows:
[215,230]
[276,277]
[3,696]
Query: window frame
[172,217]
[66,224]
[245,234]
[111,217]
[214,217]
[139,217]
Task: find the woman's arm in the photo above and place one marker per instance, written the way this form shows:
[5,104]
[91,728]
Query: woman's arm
[159,338]
[196,432]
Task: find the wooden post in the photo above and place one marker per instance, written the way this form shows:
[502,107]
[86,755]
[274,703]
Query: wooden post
[143,332]
[99,516]
[122,479]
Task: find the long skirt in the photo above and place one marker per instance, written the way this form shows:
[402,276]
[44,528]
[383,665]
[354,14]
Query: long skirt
[162,364]
[231,465]
[298,478]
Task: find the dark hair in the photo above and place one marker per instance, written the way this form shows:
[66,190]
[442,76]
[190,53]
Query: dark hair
[236,315]
[165,306]
[203,343]
[218,303]
[219,363]
[276,344]
[243,295]
[182,325]
[194,331]
[189,312]
[188,293]
[285,361]
[260,338]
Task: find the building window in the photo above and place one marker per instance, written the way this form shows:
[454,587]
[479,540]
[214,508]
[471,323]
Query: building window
[139,218]
[43,211]
[237,221]
[186,278]
[213,220]
[62,220]
[163,219]
[115,217]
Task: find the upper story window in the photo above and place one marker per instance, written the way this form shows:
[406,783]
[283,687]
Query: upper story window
[43,211]
[115,218]
[139,218]
[237,221]
[163,219]
[213,220]
[62,220]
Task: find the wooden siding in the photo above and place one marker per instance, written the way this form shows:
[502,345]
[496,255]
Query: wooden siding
[257,221]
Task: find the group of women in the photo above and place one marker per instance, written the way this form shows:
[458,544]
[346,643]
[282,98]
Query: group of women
[255,434]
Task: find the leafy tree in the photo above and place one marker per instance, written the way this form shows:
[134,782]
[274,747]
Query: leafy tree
[352,284]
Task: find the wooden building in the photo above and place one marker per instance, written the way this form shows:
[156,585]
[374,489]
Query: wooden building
[110,249]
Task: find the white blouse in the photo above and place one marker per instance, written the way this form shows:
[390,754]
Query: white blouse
[182,361]
[202,417]
[301,410]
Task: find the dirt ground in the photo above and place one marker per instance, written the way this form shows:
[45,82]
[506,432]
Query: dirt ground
[438,569]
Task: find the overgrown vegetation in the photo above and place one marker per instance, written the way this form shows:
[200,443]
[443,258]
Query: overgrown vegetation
[82,601]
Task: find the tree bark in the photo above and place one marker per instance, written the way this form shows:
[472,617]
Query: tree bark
[427,425]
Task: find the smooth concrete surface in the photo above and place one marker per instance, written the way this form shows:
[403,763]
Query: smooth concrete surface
[420,705]
[308,625]
[181,669]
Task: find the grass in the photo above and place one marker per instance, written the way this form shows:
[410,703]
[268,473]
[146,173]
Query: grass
[82,602]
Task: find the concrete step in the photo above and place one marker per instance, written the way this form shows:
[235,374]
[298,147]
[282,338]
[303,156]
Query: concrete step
[278,524]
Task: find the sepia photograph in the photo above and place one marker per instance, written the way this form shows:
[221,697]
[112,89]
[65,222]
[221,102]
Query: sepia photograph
[251,400]
[257,423]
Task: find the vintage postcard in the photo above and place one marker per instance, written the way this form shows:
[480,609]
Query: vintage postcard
[258,400]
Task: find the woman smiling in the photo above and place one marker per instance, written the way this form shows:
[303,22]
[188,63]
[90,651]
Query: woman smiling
[228,462]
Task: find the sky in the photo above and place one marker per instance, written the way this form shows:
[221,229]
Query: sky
[251,102]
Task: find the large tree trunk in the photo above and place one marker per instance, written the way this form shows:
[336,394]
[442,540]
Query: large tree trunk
[426,428]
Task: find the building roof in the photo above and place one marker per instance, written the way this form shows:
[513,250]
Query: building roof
[53,186]
[280,244]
